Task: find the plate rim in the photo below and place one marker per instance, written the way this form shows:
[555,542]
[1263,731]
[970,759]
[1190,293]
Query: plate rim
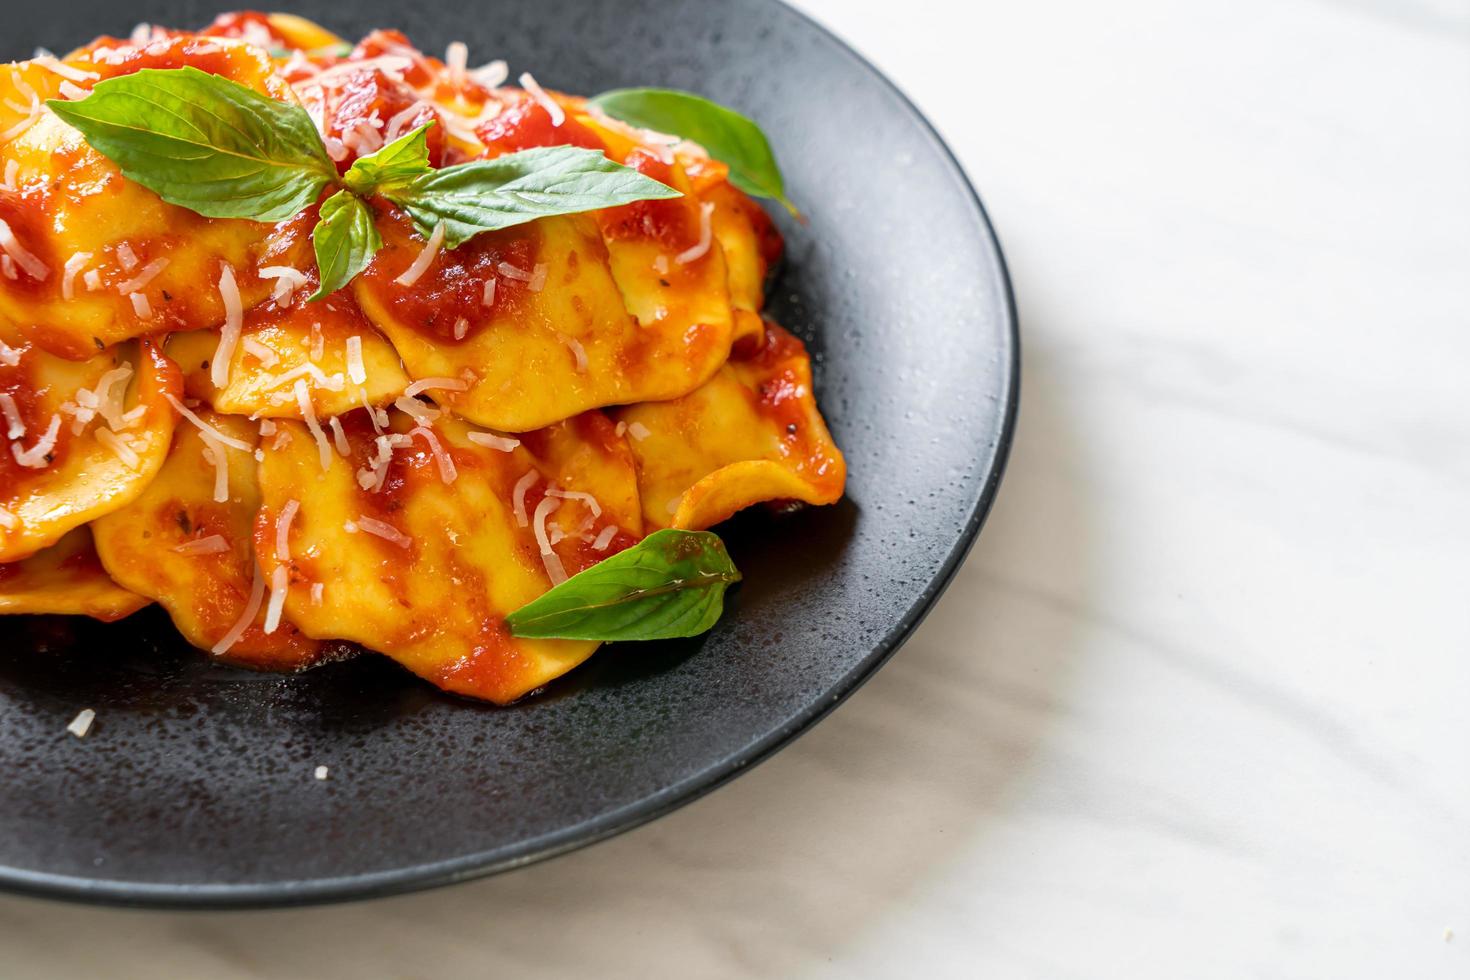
[481,864]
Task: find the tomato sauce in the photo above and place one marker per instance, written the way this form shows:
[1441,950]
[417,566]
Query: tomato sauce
[494,668]
[27,213]
[784,396]
[367,95]
[672,222]
[453,287]
[249,66]
[380,43]
[247,25]
[525,123]
[21,383]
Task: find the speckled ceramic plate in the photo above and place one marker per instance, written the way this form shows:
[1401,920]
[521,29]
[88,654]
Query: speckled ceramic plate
[195,787]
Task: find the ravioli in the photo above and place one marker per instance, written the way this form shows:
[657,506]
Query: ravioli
[195,554]
[457,556]
[279,345]
[565,314]
[83,437]
[751,434]
[97,259]
[65,579]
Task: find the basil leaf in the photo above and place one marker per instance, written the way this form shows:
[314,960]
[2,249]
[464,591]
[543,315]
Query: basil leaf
[485,195]
[345,239]
[672,583]
[725,133]
[204,142]
[397,163]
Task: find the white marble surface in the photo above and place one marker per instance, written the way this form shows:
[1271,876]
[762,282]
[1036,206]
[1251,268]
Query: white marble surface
[1199,704]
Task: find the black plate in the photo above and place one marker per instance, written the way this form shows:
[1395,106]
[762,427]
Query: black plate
[196,785]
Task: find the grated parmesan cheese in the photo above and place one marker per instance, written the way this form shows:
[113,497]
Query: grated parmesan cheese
[51,64]
[35,457]
[212,545]
[416,410]
[356,370]
[638,431]
[283,529]
[82,723]
[487,298]
[586,498]
[33,113]
[208,430]
[303,401]
[432,384]
[145,275]
[492,441]
[16,426]
[384,530]
[214,455]
[252,606]
[10,356]
[288,280]
[119,448]
[259,351]
[515,272]
[373,414]
[280,581]
[317,590]
[107,398]
[547,102]
[33,266]
[492,74]
[456,57]
[8,521]
[229,335]
[319,379]
[141,307]
[447,472]
[518,496]
[69,273]
[339,438]
[579,353]
[549,558]
[604,538]
[698,250]
[422,262]
[398,122]
[126,257]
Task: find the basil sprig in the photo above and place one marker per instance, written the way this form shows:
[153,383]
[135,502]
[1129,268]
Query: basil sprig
[728,136]
[670,584]
[484,195]
[204,142]
[222,150]
[345,239]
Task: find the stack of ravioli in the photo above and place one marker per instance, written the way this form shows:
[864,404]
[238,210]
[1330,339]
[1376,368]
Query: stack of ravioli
[400,465]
